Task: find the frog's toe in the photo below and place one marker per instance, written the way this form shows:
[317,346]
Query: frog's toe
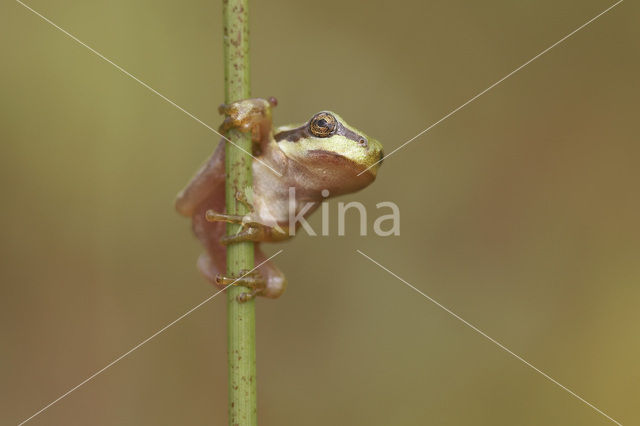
[253,280]
[241,196]
[223,109]
[245,297]
[250,279]
[213,216]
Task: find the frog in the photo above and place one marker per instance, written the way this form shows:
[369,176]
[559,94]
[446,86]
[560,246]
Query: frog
[295,167]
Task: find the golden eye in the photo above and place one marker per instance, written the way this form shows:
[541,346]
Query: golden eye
[323,124]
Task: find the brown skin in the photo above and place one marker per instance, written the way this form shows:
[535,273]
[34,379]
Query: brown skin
[316,158]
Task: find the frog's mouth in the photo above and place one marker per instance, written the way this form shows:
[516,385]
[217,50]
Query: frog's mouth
[338,162]
[330,158]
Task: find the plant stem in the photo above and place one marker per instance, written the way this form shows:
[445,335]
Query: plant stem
[240,316]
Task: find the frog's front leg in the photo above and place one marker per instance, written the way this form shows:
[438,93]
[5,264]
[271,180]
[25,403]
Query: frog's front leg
[212,216]
[249,116]
[251,229]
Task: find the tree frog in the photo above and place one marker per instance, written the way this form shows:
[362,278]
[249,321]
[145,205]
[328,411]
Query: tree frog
[323,154]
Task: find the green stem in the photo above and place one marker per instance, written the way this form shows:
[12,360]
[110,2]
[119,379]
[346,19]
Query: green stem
[240,316]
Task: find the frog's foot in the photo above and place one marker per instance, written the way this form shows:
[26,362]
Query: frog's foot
[253,280]
[247,116]
[275,281]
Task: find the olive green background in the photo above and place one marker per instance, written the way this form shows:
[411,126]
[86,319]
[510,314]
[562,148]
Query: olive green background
[519,213]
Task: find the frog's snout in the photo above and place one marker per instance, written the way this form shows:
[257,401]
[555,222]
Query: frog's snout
[376,153]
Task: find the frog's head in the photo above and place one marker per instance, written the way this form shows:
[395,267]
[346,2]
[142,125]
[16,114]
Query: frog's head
[340,155]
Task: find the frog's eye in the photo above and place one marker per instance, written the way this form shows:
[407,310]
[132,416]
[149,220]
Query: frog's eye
[323,124]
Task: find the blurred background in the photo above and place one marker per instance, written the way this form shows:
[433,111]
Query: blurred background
[519,213]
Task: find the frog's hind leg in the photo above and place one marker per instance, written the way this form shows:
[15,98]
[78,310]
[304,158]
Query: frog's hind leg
[209,269]
[275,281]
[266,280]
